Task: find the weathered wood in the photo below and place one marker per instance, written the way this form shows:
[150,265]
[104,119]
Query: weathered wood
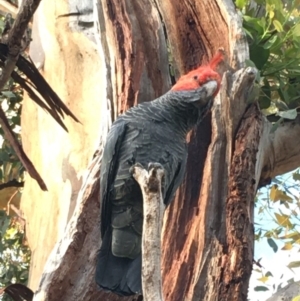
[202,214]
[70,270]
[238,251]
[201,241]
[144,78]
[134,37]
[124,21]
[153,210]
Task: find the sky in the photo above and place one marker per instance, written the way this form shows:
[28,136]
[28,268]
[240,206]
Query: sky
[276,263]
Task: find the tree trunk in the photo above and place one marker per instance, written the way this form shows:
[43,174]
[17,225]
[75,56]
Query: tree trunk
[128,59]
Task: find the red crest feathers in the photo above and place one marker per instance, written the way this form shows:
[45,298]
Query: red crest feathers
[196,78]
[217,59]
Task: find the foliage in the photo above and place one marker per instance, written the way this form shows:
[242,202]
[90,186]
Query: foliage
[11,99]
[273,32]
[280,203]
[14,252]
[10,166]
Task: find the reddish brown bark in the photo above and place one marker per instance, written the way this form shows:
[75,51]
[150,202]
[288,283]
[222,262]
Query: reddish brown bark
[207,238]
[180,217]
[139,47]
[134,40]
[238,251]
[195,30]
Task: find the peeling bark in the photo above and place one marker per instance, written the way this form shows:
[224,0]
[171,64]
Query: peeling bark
[238,251]
[203,236]
[138,52]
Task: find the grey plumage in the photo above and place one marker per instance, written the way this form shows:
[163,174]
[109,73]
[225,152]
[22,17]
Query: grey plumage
[150,132]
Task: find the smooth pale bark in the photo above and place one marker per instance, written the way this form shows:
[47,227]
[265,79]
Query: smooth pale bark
[69,254]
[75,67]
[279,149]
[208,237]
[288,292]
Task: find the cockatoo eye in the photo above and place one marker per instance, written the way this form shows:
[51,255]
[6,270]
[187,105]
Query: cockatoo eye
[195,77]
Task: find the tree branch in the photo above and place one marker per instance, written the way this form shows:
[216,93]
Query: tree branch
[10,136]
[153,209]
[279,150]
[12,183]
[18,292]
[288,292]
[15,35]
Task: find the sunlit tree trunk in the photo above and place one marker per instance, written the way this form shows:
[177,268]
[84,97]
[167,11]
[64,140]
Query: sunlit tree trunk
[103,58]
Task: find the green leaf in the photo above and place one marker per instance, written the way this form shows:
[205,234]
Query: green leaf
[290,114]
[8,94]
[270,6]
[261,288]
[283,220]
[249,63]
[272,244]
[265,95]
[11,233]
[294,264]
[281,105]
[287,247]
[270,42]
[16,120]
[259,55]
[240,3]
[4,222]
[248,33]
[277,195]
[296,31]
[269,274]
[296,176]
[263,279]
[253,25]
[277,25]
[261,210]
